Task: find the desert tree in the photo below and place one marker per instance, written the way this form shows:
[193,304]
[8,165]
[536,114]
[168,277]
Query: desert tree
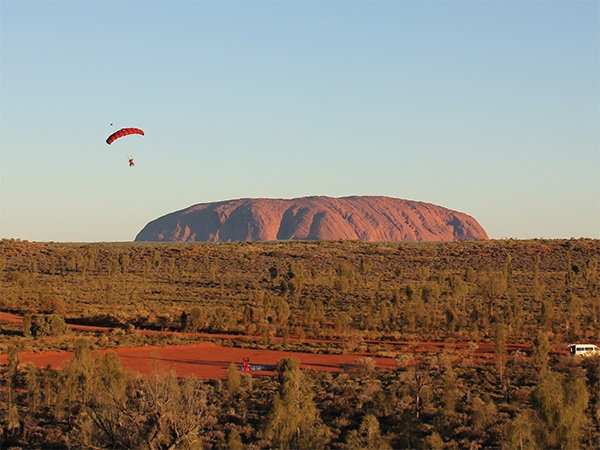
[500,353]
[49,325]
[23,281]
[451,322]
[549,403]
[33,388]
[574,313]
[282,311]
[418,378]
[295,278]
[365,268]
[125,262]
[459,290]
[576,402]
[560,403]
[234,440]
[76,378]
[538,285]
[491,287]
[341,323]
[521,432]
[507,270]
[570,276]
[212,271]
[346,277]
[385,315]
[273,272]
[368,436]
[541,350]
[192,417]
[172,269]
[484,416]
[470,275]
[101,418]
[548,313]
[294,421]
[423,273]
[110,376]
[147,267]
[114,268]
[157,406]
[159,412]
[50,387]
[590,276]
[234,379]
[365,365]
[434,442]
[196,319]
[183,321]
[447,391]
[27,325]
[11,413]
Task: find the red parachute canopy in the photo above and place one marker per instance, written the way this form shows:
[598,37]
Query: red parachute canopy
[123,132]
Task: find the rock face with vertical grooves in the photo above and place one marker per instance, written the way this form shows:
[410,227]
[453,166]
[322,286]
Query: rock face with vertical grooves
[364,218]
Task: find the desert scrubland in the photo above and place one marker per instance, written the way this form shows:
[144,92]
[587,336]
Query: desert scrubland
[473,333]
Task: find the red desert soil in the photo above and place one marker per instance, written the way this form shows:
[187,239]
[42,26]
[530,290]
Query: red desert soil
[210,361]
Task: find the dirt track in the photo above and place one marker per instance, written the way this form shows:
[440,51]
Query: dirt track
[206,360]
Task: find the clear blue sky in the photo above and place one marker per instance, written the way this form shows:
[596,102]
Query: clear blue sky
[486,107]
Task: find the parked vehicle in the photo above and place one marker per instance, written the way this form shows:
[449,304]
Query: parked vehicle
[584,349]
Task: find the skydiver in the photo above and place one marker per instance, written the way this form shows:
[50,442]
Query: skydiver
[131,163]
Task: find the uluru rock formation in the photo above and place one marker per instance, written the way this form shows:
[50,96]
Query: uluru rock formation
[364,218]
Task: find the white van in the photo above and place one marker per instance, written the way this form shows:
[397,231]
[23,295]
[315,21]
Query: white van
[584,349]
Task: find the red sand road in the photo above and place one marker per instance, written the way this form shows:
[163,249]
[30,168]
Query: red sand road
[202,360]
[206,360]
